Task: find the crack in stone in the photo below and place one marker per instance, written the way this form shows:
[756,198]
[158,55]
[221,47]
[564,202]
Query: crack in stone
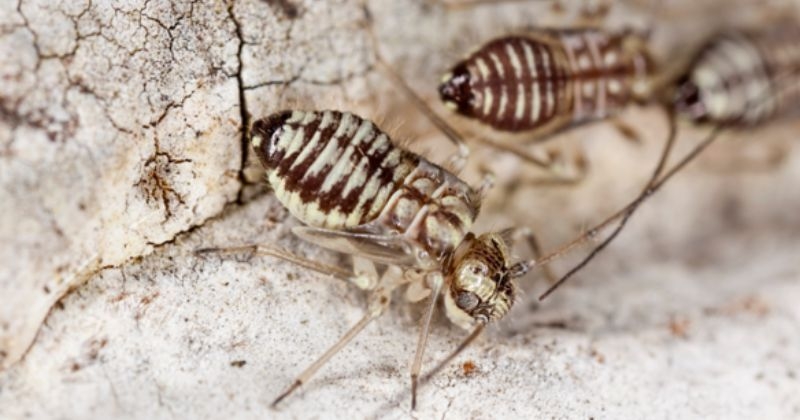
[244,115]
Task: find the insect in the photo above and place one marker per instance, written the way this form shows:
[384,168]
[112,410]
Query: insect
[543,82]
[360,194]
[742,79]
[548,80]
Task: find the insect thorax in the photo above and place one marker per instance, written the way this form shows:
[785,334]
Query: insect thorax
[338,171]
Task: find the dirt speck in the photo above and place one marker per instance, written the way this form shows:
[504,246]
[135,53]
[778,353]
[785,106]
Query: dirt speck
[469,368]
[679,326]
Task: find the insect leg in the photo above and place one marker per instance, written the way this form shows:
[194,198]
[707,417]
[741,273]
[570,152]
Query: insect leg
[436,283]
[626,130]
[561,171]
[557,171]
[487,181]
[378,303]
[464,344]
[357,277]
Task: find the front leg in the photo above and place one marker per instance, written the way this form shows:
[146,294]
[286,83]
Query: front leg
[378,302]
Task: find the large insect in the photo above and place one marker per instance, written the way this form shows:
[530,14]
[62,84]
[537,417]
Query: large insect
[358,193]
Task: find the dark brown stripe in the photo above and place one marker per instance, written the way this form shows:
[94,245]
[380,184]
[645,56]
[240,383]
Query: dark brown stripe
[328,200]
[293,178]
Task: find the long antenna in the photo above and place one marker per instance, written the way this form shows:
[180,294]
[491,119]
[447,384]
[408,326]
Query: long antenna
[628,210]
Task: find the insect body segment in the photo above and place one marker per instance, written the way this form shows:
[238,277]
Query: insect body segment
[338,171]
[743,79]
[549,79]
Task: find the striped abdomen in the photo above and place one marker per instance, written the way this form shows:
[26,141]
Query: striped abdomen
[739,78]
[336,170]
[548,80]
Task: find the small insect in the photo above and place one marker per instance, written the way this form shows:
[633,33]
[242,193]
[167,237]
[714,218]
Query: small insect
[360,194]
[545,81]
[742,79]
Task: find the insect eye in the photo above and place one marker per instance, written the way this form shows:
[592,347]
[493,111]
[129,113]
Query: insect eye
[479,269]
[467,301]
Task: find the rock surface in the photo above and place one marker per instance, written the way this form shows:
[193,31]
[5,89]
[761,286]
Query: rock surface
[121,128]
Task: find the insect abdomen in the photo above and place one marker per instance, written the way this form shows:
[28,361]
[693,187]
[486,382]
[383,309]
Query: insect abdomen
[547,80]
[330,169]
[743,79]
[337,170]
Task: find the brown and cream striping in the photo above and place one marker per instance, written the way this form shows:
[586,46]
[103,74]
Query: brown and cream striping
[336,170]
[547,80]
[743,78]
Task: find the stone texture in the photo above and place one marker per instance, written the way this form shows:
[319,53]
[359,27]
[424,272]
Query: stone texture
[121,128]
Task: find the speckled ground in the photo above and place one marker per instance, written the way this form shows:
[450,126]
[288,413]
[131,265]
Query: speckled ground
[692,313]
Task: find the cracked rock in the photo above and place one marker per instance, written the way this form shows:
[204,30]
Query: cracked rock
[123,152]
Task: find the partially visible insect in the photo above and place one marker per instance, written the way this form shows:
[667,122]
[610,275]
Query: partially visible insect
[742,78]
[736,79]
[360,194]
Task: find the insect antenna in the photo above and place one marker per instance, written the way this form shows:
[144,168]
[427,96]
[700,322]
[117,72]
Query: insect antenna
[653,185]
[625,214]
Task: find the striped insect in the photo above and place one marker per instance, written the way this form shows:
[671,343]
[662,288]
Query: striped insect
[742,78]
[360,194]
[546,81]
[540,83]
